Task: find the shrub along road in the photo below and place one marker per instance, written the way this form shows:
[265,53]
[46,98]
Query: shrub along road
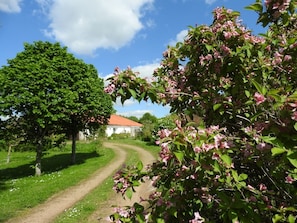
[55,205]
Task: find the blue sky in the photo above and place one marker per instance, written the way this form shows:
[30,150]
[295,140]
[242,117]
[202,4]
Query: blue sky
[110,33]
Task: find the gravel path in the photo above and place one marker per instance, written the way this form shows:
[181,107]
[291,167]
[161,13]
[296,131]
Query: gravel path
[48,211]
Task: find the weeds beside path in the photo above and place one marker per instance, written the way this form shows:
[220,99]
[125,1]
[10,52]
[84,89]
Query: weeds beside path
[142,191]
[49,210]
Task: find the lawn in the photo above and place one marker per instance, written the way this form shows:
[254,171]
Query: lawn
[21,190]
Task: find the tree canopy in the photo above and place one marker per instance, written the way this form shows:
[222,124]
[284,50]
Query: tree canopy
[53,92]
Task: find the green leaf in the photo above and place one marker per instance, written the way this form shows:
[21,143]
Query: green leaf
[139,165]
[295,126]
[293,96]
[255,7]
[291,218]
[292,157]
[242,177]
[179,155]
[129,193]
[132,92]
[277,218]
[268,139]
[226,159]
[208,47]
[160,220]
[261,89]
[216,106]
[216,167]
[277,150]
[247,93]
[235,175]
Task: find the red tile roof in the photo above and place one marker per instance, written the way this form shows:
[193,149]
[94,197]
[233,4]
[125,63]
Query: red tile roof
[119,120]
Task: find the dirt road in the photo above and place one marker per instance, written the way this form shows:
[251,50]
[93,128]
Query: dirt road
[48,211]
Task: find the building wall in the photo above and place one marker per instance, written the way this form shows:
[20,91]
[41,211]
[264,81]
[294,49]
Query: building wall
[114,129]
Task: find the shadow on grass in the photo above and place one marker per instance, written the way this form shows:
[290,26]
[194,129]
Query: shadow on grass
[49,165]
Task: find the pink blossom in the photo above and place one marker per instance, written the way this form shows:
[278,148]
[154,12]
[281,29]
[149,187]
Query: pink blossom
[289,179]
[262,187]
[215,156]
[250,187]
[287,58]
[197,149]
[164,133]
[253,199]
[208,57]
[207,147]
[263,146]
[165,153]
[259,98]
[197,218]
[218,140]
[109,89]
[226,50]
[294,115]
[227,35]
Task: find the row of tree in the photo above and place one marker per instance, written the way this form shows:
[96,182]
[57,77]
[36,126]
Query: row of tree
[152,125]
[45,91]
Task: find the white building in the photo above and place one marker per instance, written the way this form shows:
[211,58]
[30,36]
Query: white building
[118,124]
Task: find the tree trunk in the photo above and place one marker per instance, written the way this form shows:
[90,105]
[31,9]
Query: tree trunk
[8,154]
[73,153]
[38,159]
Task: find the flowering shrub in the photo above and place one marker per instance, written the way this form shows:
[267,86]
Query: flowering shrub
[240,163]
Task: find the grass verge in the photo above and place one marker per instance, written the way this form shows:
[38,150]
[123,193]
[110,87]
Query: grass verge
[81,211]
[21,190]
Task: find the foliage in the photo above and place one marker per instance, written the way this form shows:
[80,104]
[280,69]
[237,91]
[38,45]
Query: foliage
[239,163]
[149,122]
[120,136]
[52,92]
[133,118]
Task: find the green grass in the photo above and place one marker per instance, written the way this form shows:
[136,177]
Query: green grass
[20,189]
[81,211]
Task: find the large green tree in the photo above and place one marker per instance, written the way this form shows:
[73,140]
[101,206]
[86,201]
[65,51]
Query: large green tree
[53,92]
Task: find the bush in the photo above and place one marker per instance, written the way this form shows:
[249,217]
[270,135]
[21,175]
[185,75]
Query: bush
[241,165]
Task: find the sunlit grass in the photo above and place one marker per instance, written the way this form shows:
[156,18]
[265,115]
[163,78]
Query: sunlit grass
[20,189]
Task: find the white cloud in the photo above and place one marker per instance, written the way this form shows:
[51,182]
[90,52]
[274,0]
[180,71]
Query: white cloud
[146,71]
[137,113]
[86,25]
[128,102]
[209,2]
[179,37]
[10,6]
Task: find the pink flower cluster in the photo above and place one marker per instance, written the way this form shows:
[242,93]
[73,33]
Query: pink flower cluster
[259,98]
[109,89]
[121,184]
[197,218]
[277,7]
